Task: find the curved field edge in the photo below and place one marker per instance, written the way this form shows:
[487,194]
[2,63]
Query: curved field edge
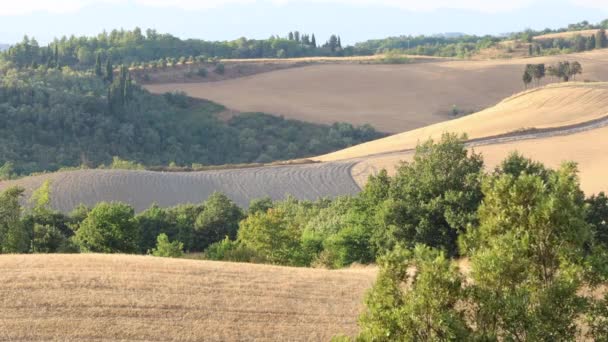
[141,189]
[118,297]
[549,109]
[585,147]
[392,98]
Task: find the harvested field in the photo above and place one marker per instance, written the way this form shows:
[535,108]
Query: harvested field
[588,149]
[552,106]
[91,297]
[143,188]
[569,34]
[392,98]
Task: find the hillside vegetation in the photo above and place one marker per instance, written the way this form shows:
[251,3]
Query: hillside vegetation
[54,118]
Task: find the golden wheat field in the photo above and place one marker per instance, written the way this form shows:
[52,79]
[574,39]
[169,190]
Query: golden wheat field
[392,98]
[117,297]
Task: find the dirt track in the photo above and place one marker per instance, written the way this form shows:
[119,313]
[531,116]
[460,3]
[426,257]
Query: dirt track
[143,188]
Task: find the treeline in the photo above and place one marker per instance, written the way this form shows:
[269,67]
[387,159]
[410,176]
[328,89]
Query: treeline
[536,247]
[135,47]
[563,71]
[441,46]
[580,26]
[576,43]
[52,118]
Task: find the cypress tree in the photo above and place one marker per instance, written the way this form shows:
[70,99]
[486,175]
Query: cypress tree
[109,71]
[98,70]
[600,39]
[56,57]
[313,41]
[530,52]
[339,43]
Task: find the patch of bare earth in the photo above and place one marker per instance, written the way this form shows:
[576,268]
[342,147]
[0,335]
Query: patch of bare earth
[392,98]
[116,297]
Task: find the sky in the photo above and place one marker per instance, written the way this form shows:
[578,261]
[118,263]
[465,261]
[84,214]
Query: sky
[353,20]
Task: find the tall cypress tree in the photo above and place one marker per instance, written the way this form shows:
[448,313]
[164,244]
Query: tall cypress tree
[600,39]
[98,70]
[313,41]
[109,71]
[339,42]
[56,56]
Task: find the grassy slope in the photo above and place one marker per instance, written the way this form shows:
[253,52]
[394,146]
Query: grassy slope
[392,98]
[117,297]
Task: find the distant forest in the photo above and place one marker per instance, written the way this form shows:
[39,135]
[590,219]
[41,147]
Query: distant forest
[52,118]
[133,48]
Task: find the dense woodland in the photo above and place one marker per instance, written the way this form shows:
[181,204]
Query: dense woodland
[52,118]
[536,246]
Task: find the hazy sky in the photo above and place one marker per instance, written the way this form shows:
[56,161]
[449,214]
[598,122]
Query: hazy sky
[354,20]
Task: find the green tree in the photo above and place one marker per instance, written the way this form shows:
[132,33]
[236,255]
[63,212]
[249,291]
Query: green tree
[432,199]
[98,69]
[600,39]
[526,257]
[109,228]
[13,235]
[415,307]
[527,78]
[597,217]
[167,249]
[313,41]
[109,71]
[220,218]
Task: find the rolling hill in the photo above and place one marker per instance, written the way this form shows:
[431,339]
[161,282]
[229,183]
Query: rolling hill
[392,98]
[118,297]
[551,124]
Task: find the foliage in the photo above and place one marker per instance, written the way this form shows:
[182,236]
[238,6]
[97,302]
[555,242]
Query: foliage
[432,199]
[167,249]
[597,216]
[135,47]
[220,218]
[109,228]
[56,118]
[527,256]
[415,307]
[229,250]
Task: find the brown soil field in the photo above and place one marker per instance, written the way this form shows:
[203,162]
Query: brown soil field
[90,297]
[392,98]
[570,34]
[551,106]
[144,188]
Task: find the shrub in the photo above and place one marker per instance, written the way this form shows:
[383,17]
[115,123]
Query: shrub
[220,69]
[202,72]
[167,249]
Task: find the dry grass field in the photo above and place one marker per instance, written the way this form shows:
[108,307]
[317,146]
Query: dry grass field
[588,149]
[584,33]
[143,188]
[116,297]
[552,106]
[392,98]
